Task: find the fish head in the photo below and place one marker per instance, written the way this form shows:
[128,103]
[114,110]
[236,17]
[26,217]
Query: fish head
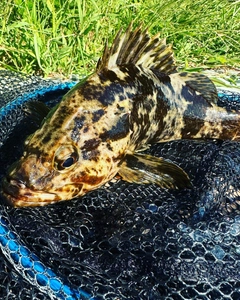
[39,179]
[78,148]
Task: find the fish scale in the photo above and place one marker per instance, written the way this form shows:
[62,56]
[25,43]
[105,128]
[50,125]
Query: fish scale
[142,246]
[134,98]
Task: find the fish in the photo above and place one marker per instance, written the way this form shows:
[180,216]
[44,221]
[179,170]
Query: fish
[136,97]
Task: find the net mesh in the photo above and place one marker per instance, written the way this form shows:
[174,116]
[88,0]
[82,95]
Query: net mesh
[122,241]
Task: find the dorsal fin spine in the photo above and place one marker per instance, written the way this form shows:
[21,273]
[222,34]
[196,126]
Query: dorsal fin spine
[137,48]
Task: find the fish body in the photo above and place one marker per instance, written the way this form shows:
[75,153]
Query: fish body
[135,98]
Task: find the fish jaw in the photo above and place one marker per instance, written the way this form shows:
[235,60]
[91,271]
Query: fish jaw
[17,186]
[18,194]
[31,182]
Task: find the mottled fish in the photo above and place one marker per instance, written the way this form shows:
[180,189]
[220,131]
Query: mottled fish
[135,98]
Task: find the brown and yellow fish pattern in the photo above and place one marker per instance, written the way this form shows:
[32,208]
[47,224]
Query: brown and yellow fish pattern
[135,98]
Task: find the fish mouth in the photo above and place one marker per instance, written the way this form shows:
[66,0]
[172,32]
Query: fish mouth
[17,194]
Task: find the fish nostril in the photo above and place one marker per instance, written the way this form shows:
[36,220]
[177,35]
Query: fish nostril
[16,178]
[13,181]
[17,183]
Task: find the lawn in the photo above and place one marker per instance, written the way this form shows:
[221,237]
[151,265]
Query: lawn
[67,37]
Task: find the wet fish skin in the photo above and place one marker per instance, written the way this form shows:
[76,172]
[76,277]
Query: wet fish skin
[135,98]
[83,133]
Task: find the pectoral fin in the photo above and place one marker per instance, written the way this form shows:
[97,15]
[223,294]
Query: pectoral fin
[142,168]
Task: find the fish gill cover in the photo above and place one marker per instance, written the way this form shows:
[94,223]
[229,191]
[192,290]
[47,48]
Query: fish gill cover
[124,241]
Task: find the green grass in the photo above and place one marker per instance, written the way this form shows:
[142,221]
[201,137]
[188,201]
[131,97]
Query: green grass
[67,37]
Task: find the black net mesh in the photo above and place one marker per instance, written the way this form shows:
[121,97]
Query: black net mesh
[123,241]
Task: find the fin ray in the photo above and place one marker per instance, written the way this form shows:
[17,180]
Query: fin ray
[143,168]
[138,48]
[202,84]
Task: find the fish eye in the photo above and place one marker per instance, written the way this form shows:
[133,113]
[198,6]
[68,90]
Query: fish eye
[64,160]
[68,162]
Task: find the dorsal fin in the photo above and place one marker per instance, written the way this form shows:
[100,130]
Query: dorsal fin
[138,48]
[202,84]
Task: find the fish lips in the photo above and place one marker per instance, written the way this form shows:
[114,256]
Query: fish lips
[17,194]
